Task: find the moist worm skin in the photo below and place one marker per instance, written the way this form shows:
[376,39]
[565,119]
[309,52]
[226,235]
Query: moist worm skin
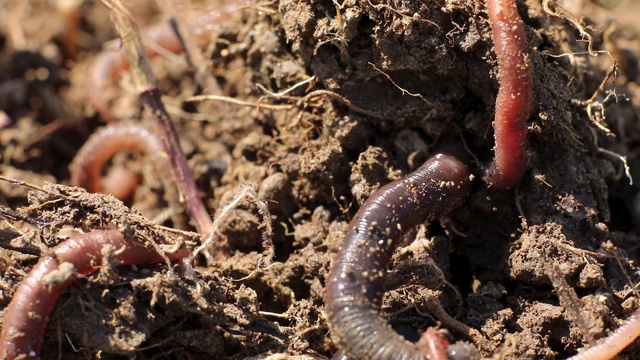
[615,342]
[86,168]
[513,101]
[27,314]
[354,289]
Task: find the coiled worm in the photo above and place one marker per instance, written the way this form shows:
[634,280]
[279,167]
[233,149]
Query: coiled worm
[354,288]
[86,168]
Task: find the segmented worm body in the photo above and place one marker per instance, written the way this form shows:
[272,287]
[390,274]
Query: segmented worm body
[354,289]
[26,316]
[613,344]
[514,97]
[86,168]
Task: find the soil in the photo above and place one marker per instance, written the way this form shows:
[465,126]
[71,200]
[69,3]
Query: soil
[540,270]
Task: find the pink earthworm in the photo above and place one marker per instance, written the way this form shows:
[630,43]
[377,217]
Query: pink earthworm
[613,344]
[434,344]
[513,102]
[27,314]
[354,286]
[86,168]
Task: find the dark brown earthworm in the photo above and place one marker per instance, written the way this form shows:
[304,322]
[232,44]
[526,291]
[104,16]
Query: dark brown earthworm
[354,287]
[27,314]
[86,168]
[514,97]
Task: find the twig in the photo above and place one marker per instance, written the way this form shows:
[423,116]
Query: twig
[5,242]
[145,84]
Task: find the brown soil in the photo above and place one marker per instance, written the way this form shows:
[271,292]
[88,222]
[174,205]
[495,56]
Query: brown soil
[540,270]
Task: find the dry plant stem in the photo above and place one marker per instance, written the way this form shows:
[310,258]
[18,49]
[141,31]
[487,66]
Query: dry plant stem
[6,236]
[86,168]
[26,316]
[354,286]
[171,144]
[513,101]
[111,63]
[150,96]
[70,10]
[194,55]
[613,344]
[570,301]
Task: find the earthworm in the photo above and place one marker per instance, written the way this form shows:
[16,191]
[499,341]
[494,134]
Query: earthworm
[86,168]
[434,344]
[614,343]
[26,316]
[354,287]
[513,101]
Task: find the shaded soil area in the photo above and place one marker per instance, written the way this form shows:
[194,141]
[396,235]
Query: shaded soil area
[319,104]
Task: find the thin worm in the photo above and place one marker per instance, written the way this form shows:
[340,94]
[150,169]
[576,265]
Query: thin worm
[86,168]
[27,314]
[513,101]
[354,287]
[613,344]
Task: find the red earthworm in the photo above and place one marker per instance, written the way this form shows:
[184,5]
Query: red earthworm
[434,344]
[354,287]
[86,168]
[26,316]
[513,101]
[615,342]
